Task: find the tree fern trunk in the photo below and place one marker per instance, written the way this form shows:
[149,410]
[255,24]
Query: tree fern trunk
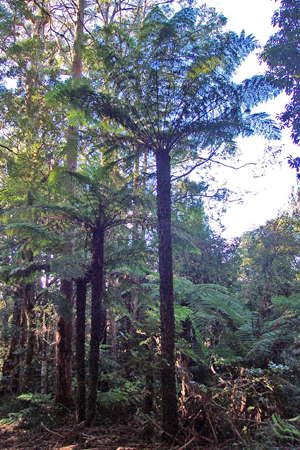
[167,321]
[98,321]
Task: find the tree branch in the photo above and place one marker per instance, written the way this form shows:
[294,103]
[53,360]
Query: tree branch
[213,161]
[8,149]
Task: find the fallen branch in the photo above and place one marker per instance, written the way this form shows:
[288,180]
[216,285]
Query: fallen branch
[187,444]
[52,432]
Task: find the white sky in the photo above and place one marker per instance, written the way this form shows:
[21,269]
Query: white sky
[270,186]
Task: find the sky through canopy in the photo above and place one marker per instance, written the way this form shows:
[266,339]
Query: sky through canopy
[269,186]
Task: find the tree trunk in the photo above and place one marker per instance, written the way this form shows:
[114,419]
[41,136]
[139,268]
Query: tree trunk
[149,396]
[27,384]
[80,347]
[10,369]
[112,331]
[64,327]
[97,318]
[63,339]
[44,369]
[44,355]
[167,320]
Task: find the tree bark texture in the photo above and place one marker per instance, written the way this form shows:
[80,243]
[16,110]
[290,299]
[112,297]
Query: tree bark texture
[80,347]
[167,320]
[149,396]
[44,352]
[29,293]
[98,321]
[64,351]
[112,331]
[10,368]
[44,371]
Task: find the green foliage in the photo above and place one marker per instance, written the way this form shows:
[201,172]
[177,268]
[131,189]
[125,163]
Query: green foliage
[285,430]
[39,408]
[159,62]
[122,397]
[269,260]
[282,56]
[200,255]
[35,398]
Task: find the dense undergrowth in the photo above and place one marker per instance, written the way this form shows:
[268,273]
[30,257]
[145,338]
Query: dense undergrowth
[238,408]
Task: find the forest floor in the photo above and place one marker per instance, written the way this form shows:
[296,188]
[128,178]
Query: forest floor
[118,437]
[72,438]
[27,425]
[43,426]
[112,437]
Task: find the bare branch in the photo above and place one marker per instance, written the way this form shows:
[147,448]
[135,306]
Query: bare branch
[215,162]
[8,149]
[233,167]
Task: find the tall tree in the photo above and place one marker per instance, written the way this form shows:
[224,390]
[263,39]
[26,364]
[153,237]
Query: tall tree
[96,206]
[176,99]
[281,53]
[29,133]
[65,326]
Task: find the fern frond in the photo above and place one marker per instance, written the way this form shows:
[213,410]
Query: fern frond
[255,90]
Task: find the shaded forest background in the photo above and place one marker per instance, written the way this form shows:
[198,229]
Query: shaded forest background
[120,307]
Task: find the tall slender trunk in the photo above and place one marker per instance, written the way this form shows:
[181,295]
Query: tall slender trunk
[112,331]
[149,397]
[10,369]
[44,357]
[137,237]
[98,320]
[29,293]
[64,326]
[63,357]
[167,320]
[80,347]
[44,372]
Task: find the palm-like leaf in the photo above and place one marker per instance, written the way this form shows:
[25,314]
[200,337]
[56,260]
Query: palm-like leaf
[176,87]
